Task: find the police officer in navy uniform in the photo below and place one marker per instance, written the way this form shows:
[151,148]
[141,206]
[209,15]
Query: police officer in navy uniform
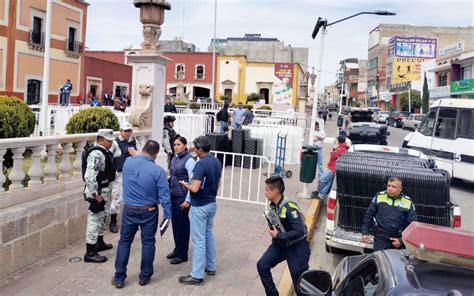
[291,244]
[393,212]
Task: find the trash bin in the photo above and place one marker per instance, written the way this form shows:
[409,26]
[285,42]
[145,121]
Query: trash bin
[309,159]
[340,120]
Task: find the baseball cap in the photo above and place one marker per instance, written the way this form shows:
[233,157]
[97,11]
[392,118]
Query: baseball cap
[126,126]
[106,133]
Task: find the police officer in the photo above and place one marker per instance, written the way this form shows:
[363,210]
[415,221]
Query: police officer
[98,173]
[123,147]
[393,212]
[169,135]
[289,243]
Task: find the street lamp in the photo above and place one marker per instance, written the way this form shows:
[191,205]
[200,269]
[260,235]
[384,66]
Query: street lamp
[323,23]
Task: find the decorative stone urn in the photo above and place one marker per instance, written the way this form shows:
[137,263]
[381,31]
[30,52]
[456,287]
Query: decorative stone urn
[152,16]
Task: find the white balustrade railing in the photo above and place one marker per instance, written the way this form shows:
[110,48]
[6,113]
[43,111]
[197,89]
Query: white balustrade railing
[62,147]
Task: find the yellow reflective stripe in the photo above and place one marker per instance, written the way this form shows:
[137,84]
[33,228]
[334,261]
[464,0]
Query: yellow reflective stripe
[283,212]
[294,206]
[383,197]
[403,203]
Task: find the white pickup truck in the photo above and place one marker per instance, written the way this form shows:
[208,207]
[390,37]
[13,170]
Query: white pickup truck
[338,235]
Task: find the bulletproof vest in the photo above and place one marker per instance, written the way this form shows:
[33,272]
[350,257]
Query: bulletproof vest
[282,215]
[124,145]
[178,173]
[172,135]
[104,178]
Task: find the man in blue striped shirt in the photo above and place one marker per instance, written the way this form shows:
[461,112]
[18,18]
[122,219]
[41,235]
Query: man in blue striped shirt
[144,187]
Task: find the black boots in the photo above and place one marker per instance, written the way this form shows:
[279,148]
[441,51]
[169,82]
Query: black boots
[92,256]
[113,223]
[101,245]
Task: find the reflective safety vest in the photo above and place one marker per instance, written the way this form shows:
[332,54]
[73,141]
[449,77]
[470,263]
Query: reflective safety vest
[403,202]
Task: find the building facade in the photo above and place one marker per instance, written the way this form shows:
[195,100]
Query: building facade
[381,87]
[22,45]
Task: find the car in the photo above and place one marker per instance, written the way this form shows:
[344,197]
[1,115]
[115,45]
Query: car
[382,116]
[413,121]
[429,266]
[396,117]
[333,107]
[360,115]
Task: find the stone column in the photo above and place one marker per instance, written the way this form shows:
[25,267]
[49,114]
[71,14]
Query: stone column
[17,175]
[35,172]
[77,165]
[50,169]
[65,166]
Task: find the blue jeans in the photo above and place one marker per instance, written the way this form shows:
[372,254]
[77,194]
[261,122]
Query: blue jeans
[325,182]
[237,125]
[148,223]
[223,126]
[320,162]
[204,247]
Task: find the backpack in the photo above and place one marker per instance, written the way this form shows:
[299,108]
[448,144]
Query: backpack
[219,115]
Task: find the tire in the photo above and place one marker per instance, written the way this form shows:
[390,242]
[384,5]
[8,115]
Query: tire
[288,174]
[415,127]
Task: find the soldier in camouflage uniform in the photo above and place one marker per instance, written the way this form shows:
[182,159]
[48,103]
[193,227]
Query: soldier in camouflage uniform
[98,173]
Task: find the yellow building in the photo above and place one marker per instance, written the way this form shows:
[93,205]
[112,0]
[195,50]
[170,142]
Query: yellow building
[22,45]
[277,83]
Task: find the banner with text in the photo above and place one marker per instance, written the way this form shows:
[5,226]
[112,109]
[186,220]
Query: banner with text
[283,84]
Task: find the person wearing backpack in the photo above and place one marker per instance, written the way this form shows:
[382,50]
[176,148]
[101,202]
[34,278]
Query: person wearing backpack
[223,117]
[98,173]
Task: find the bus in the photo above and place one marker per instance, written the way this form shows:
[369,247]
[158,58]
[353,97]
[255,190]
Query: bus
[447,135]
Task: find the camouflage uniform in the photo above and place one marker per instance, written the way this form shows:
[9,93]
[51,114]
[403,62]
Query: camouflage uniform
[95,221]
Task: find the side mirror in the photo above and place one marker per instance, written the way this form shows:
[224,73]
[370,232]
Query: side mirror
[315,282]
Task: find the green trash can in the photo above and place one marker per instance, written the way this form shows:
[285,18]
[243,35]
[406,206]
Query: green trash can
[340,120]
[309,159]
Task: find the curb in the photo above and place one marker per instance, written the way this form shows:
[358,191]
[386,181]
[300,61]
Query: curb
[286,284]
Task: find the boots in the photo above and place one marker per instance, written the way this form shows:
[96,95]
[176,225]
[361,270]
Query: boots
[92,256]
[101,245]
[113,223]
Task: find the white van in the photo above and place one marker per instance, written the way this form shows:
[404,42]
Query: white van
[447,135]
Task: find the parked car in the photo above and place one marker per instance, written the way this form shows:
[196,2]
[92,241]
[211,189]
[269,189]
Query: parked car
[360,115]
[396,117]
[382,116]
[429,266]
[413,121]
[333,107]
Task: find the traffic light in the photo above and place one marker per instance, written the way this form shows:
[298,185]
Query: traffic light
[320,23]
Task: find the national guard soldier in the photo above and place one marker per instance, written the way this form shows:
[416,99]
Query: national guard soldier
[393,211]
[169,135]
[289,243]
[98,173]
[123,147]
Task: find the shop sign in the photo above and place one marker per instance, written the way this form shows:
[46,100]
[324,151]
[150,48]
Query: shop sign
[399,87]
[462,87]
[385,96]
[439,92]
[452,49]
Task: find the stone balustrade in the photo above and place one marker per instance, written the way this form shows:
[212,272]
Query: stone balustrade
[52,148]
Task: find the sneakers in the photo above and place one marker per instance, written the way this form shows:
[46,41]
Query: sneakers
[209,272]
[189,280]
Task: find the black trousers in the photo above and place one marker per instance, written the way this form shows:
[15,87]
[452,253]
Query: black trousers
[297,257]
[180,225]
[382,239]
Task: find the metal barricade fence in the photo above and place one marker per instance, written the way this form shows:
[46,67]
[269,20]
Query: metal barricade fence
[243,182]
[192,126]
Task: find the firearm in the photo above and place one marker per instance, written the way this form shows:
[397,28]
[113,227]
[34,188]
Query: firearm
[274,221]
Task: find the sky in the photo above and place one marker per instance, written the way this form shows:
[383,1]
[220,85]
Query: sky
[115,24]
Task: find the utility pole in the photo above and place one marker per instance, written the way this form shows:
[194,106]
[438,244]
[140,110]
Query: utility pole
[44,124]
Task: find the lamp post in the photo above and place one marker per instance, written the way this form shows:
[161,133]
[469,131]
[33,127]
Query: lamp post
[43,123]
[323,23]
[213,91]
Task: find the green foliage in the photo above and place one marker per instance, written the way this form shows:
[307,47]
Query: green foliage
[225,98]
[426,96]
[180,103]
[264,108]
[17,119]
[194,106]
[254,97]
[415,100]
[90,120]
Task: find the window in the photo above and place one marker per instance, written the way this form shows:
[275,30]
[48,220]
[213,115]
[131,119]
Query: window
[466,72]
[364,280]
[443,79]
[427,125]
[372,63]
[36,33]
[446,124]
[120,91]
[179,72]
[199,72]
[71,39]
[466,124]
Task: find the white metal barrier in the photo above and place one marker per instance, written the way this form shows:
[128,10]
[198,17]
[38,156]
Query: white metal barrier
[239,183]
[193,125]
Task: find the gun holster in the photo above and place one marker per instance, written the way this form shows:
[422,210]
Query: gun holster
[95,206]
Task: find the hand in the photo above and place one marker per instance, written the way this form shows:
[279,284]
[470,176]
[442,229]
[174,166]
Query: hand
[365,238]
[395,242]
[273,233]
[184,184]
[99,198]
[184,205]
[132,151]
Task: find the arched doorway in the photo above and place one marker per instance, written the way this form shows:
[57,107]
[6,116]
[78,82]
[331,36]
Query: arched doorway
[265,93]
[33,93]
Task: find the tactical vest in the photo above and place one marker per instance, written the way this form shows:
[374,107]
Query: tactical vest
[178,173]
[282,215]
[171,135]
[403,202]
[124,146]
[104,178]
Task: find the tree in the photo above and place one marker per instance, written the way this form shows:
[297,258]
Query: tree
[415,100]
[426,96]
[254,97]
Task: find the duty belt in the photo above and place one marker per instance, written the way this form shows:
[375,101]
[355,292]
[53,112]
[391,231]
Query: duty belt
[150,208]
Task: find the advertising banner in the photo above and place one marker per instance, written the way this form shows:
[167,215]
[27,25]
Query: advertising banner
[462,87]
[406,69]
[412,47]
[283,84]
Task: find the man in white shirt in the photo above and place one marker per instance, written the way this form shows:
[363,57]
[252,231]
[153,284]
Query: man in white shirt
[318,142]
